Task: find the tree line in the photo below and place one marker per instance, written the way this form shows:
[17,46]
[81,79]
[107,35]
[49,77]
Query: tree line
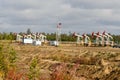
[52,36]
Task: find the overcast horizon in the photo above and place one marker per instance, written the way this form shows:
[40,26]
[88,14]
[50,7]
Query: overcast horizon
[81,16]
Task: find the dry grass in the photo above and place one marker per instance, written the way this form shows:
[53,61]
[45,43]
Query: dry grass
[70,62]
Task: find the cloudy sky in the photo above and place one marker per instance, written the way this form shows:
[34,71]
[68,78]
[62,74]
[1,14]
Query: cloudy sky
[82,16]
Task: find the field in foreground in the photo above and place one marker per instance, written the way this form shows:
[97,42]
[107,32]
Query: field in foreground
[68,62]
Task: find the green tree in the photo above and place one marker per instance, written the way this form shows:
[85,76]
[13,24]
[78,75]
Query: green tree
[34,69]
[28,31]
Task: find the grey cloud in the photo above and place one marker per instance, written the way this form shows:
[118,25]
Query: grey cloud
[94,4]
[75,15]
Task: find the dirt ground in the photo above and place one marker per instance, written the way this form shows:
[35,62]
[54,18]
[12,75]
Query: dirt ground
[94,63]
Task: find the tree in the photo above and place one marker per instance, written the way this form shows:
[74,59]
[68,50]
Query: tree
[28,31]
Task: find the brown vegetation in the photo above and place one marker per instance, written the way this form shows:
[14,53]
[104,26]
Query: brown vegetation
[65,63]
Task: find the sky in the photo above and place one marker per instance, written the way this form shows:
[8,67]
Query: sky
[81,16]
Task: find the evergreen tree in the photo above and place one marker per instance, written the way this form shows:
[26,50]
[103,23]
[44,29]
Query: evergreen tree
[28,31]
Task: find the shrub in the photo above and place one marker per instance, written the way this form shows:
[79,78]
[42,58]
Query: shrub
[33,69]
[63,72]
[7,59]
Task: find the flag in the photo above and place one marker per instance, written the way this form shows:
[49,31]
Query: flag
[59,25]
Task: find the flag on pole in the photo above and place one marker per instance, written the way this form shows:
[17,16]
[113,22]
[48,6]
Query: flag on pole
[59,25]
